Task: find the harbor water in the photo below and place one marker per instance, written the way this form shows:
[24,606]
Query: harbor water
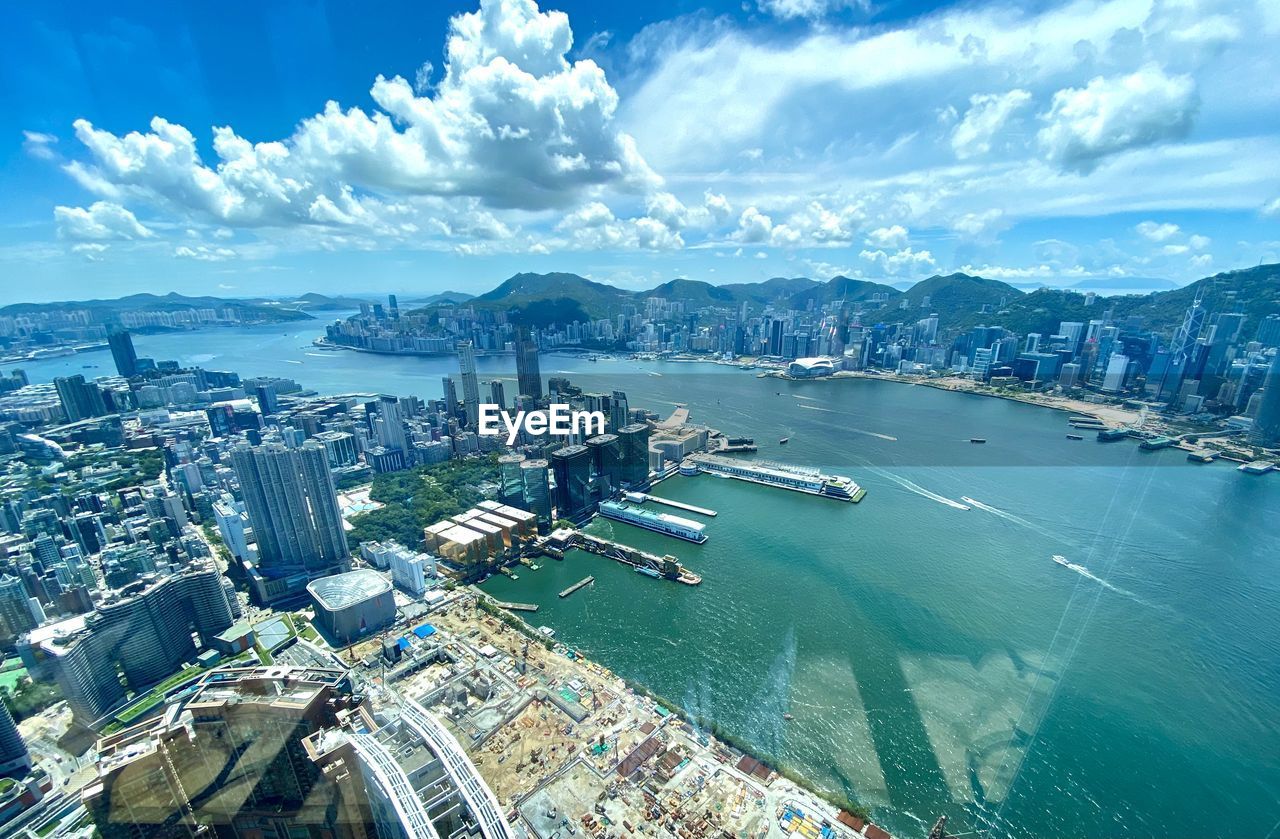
[932,656]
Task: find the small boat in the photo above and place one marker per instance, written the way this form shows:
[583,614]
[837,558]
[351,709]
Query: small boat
[787,717]
[647,571]
[783,441]
[977,439]
[1074,437]
[1061,560]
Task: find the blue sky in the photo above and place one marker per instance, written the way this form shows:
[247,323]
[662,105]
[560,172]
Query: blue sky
[194,148]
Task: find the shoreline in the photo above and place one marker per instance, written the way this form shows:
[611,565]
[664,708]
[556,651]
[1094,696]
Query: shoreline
[708,727]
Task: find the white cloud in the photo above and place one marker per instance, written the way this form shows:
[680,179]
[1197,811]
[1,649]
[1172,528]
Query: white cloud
[1198,242]
[977,225]
[1157,232]
[594,227]
[811,9]
[753,226]
[39,145]
[895,236]
[1271,208]
[1112,115]
[203,253]
[987,114]
[512,124]
[101,221]
[91,251]
[903,263]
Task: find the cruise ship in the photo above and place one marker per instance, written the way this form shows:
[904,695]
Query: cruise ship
[681,528]
[799,478]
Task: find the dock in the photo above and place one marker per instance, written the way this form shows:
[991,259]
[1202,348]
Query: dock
[680,505]
[517,607]
[666,567]
[585,581]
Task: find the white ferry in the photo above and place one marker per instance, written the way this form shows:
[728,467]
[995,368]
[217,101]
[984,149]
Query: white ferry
[681,528]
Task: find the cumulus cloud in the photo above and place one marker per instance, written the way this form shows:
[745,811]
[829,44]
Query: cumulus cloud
[203,253]
[101,221]
[903,263]
[512,124]
[1271,208]
[1157,232]
[894,236]
[595,227]
[39,145]
[1083,126]
[987,114]
[753,226]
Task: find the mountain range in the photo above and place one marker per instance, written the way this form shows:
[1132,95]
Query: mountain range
[961,300]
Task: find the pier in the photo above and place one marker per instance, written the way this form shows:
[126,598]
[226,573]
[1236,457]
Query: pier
[517,607]
[679,505]
[665,567]
[585,581]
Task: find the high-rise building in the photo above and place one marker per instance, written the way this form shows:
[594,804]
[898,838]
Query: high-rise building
[1117,372]
[619,411]
[80,399]
[293,510]
[393,307]
[606,464]
[1266,424]
[143,632]
[450,395]
[470,385]
[16,615]
[633,442]
[122,352]
[497,395]
[572,467]
[268,401]
[537,492]
[510,483]
[15,759]
[528,374]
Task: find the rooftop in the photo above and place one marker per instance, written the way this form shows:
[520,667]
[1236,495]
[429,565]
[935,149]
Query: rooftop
[343,590]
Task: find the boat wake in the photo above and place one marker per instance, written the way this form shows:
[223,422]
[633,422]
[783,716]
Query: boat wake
[1085,572]
[912,486]
[846,428]
[809,398]
[996,511]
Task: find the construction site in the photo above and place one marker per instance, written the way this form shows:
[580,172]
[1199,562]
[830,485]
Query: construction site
[567,746]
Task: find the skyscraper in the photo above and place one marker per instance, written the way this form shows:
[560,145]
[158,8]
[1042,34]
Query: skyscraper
[293,509]
[537,492]
[1266,425]
[497,395]
[393,307]
[619,411]
[470,385]
[633,441]
[528,375]
[80,399]
[509,479]
[14,757]
[122,352]
[450,396]
[572,467]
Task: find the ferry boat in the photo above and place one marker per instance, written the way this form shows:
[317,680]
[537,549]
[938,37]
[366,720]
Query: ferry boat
[1074,437]
[681,528]
[1061,560]
[783,441]
[647,571]
[977,439]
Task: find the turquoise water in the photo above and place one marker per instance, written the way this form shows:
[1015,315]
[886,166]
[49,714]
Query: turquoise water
[934,659]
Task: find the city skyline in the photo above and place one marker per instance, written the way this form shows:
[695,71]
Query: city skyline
[1002,147]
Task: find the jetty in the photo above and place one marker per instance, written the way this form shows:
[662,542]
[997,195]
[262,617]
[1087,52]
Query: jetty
[585,581]
[517,607]
[680,505]
[664,567]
